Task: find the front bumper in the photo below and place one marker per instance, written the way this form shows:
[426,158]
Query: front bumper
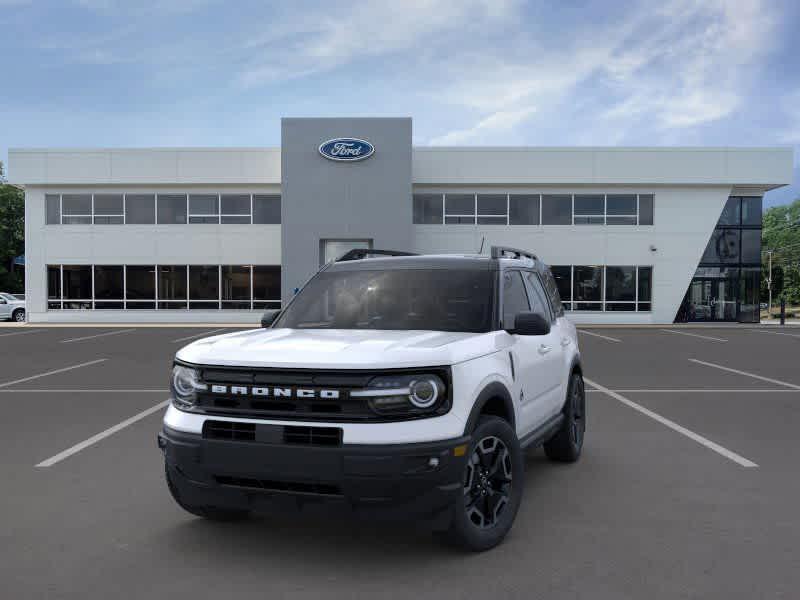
[418,480]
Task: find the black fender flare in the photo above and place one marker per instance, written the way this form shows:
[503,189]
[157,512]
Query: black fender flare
[575,364]
[492,390]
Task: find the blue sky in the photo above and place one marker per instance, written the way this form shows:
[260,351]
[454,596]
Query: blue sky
[470,72]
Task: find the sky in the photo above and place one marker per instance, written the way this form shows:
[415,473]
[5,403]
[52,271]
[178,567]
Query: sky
[107,73]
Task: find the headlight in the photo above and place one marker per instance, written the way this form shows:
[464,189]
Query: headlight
[407,394]
[185,384]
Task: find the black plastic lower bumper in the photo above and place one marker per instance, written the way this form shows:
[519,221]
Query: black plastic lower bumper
[400,480]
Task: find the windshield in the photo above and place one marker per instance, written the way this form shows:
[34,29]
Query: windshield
[430,299]
[8,297]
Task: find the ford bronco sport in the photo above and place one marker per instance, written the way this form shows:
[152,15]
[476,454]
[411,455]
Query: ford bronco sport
[390,384]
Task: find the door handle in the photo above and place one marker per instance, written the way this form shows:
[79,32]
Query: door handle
[565,342]
[544,349]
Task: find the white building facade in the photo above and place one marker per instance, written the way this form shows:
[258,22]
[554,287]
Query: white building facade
[634,235]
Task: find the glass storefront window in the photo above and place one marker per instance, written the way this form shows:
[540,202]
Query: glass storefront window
[750,295]
[588,285]
[751,211]
[723,247]
[731,212]
[621,284]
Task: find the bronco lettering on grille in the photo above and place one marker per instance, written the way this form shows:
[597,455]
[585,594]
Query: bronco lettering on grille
[274,392]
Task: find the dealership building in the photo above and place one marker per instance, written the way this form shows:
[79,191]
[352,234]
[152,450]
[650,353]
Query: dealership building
[633,235]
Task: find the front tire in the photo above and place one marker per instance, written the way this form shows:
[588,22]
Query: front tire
[567,443]
[212,513]
[493,482]
[18,316]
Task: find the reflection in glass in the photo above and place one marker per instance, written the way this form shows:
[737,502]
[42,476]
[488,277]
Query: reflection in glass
[588,284]
[723,247]
[620,284]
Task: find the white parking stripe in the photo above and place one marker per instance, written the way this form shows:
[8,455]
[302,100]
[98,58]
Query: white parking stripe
[701,391]
[697,335]
[22,332]
[102,391]
[91,337]
[746,374]
[86,364]
[605,337]
[795,335]
[191,337]
[102,435]
[738,459]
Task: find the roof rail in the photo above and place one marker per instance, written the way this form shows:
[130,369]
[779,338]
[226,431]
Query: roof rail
[503,251]
[359,253]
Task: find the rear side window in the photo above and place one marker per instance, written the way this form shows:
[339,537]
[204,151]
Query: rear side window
[515,299]
[551,288]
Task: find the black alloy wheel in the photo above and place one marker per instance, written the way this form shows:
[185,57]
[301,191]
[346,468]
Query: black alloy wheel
[488,481]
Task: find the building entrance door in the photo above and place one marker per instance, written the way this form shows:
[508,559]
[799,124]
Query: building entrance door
[711,300]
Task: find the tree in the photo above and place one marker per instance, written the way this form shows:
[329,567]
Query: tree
[781,235]
[12,235]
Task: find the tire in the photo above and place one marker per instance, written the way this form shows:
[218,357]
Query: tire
[493,484]
[18,315]
[567,443]
[212,513]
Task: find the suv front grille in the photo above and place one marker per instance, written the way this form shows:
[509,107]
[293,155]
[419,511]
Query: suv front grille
[272,434]
[293,394]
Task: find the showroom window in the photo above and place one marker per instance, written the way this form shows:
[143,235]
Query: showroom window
[604,288]
[163,209]
[533,209]
[163,287]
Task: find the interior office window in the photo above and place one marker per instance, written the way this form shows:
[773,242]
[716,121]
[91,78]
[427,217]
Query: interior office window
[76,209]
[77,286]
[204,286]
[267,209]
[140,209]
[621,209]
[235,208]
[52,204]
[556,209]
[523,209]
[515,298]
[645,288]
[140,286]
[203,208]
[428,209]
[723,247]
[731,213]
[621,288]
[236,287]
[171,209]
[108,209]
[172,286]
[562,277]
[751,211]
[53,287]
[587,288]
[751,246]
[492,209]
[646,209]
[589,209]
[108,287]
[459,209]
[266,286]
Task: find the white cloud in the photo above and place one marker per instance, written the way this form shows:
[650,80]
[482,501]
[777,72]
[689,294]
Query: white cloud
[496,122]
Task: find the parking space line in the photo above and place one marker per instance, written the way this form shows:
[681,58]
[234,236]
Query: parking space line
[100,436]
[746,374]
[794,335]
[55,372]
[697,335]
[100,391]
[605,337]
[91,337]
[738,459]
[702,391]
[191,337]
[22,332]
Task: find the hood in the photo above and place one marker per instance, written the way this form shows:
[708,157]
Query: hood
[341,348]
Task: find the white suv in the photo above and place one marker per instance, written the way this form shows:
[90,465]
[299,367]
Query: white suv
[394,384]
[12,308]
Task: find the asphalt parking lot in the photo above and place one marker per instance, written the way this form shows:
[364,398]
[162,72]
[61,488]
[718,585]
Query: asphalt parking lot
[687,488]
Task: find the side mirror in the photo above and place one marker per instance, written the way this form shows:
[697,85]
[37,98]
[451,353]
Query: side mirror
[530,323]
[268,318]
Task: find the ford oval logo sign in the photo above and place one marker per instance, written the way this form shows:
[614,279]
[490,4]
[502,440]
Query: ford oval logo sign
[346,149]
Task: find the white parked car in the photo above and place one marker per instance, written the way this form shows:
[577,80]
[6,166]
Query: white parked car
[12,308]
[403,385]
